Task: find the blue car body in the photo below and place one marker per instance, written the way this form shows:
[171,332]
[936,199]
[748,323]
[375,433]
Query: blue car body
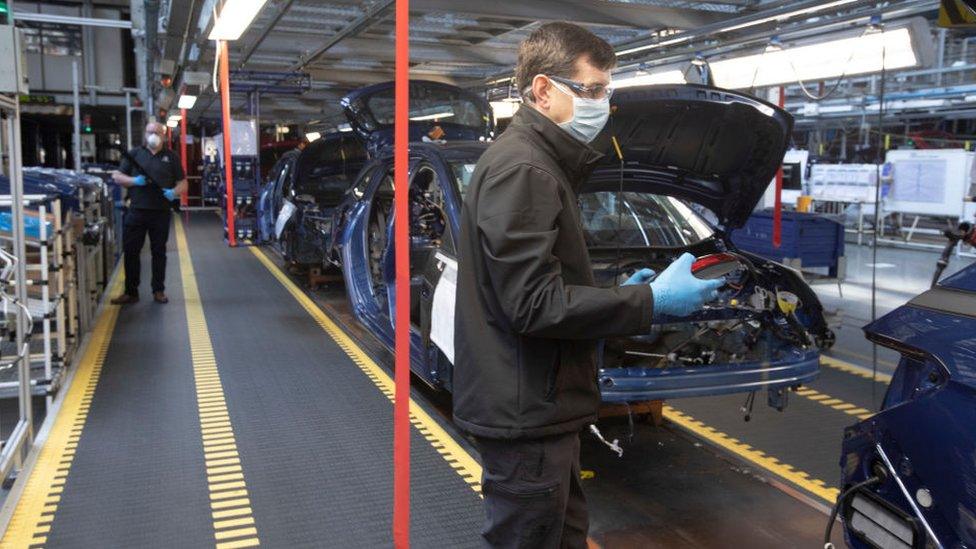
[311,181]
[776,360]
[924,437]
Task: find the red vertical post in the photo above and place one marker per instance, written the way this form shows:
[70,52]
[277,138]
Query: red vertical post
[401,237]
[225,115]
[183,197]
[778,203]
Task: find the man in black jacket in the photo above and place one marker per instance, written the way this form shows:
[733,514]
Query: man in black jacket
[528,313]
[154,177]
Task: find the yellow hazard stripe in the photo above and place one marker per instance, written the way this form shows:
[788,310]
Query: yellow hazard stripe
[225,472]
[456,456]
[32,518]
[761,459]
[834,403]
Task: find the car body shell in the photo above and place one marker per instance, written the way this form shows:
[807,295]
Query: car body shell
[791,366]
[925,429]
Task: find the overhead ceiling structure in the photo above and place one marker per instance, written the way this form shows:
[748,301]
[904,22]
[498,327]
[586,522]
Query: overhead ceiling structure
[345,44]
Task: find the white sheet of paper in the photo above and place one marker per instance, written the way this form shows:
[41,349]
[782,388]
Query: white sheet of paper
[442,309]
[287,210]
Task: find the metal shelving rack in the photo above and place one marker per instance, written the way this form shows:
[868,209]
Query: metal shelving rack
[16,446]
[46,281]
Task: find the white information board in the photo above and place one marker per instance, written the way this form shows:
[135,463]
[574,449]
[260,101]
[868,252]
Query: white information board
[844,182]
[789,196]
[929,181]
[243,139]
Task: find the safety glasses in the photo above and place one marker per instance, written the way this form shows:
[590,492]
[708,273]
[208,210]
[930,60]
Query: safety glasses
[584,91]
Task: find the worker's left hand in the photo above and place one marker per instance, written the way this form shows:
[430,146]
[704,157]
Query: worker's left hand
[677,292]
[642,276]
[170,194]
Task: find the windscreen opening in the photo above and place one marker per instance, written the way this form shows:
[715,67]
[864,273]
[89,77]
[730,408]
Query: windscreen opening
[636,219]
[430,104]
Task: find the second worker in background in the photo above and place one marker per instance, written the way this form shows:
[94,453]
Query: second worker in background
[154,178]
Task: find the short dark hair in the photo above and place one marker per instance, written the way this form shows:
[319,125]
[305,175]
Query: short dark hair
[553,49]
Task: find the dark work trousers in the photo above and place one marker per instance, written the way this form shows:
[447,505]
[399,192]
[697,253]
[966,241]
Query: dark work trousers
[533,497]
[136,225]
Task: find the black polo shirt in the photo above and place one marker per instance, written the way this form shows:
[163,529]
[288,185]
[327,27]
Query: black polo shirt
[162,168]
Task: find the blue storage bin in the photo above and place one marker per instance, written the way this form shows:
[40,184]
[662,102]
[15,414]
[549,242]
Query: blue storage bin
[814,240]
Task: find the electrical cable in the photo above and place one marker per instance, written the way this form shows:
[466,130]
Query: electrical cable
[840,80]
[877,223]
[840,502]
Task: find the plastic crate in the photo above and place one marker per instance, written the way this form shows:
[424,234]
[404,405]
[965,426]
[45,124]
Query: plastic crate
[808,240]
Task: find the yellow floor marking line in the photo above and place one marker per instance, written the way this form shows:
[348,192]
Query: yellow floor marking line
[457,457]
[835,403]
[752,455]
[213,413]
[32,518]
[859,371]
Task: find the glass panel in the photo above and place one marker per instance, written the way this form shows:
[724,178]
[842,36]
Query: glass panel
[640,219]
[431,104]
[463,173]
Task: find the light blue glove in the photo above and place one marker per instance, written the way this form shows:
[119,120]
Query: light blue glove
[170,194]
[139,180]
[679,293]
[642,276]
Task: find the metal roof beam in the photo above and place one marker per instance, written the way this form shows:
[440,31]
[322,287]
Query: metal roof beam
[279,12]
[373,13]
[592,12]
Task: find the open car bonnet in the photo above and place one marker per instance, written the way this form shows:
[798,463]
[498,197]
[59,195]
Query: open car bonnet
[437,111]
[713,147]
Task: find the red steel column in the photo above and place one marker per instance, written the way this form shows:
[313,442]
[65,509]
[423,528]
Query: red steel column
[183,197]
[401,407]
[225,110]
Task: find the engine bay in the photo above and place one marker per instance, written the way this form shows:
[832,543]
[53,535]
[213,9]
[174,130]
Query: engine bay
[761,314]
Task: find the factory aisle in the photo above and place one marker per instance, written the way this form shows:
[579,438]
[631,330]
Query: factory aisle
[230,418]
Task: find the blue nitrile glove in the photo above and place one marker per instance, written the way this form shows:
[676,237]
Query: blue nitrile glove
[139,180]
[170,194]
[679,293]
[642,276]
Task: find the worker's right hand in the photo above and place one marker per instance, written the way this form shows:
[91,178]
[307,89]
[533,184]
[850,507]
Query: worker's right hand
[679,293]
[139,180]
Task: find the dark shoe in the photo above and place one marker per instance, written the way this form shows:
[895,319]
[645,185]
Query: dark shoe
[160,297]
[124,299]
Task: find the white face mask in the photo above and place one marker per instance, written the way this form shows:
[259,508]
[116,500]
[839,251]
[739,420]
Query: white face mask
[589,115]
[154,141]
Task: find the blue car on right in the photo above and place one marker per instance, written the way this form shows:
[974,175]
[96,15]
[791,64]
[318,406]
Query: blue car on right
[909,471]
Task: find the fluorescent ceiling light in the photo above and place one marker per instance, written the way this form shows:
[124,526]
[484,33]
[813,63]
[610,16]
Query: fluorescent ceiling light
[174,117]
[504,109]
[679,38]
[788,15]
[312,136]
[172,123]
[846,56]
[970,98]
[235,18]
[435,116]
[187,101]
[345,128]
[909,104]
[831,109]
[673,76]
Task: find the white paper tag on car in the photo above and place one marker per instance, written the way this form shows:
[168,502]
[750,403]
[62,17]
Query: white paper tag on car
[287,210]
[442,310]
